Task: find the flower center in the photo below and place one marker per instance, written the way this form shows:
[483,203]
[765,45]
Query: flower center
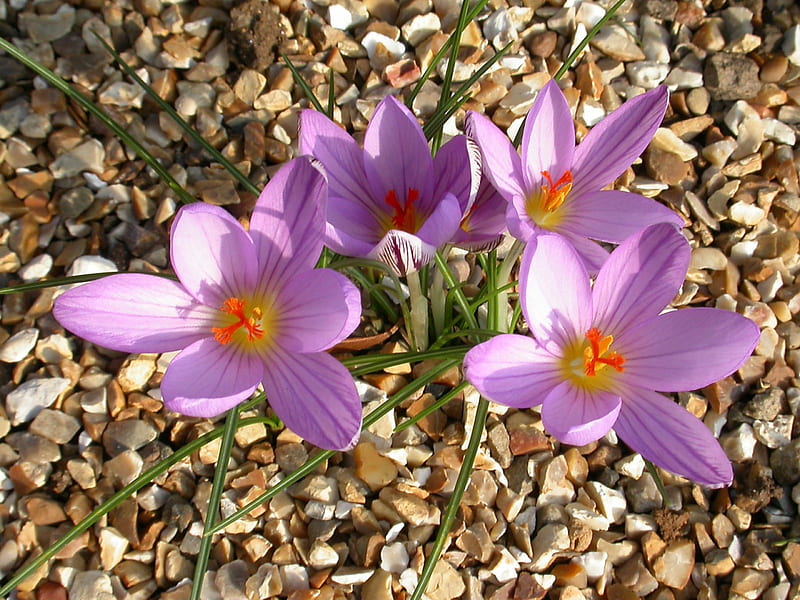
[596,355]
[544,203]
[404,217]
[590,363]
[250,323]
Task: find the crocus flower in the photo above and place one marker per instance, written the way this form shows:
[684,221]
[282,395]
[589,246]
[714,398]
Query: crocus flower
[554,186]
[600,354]
[484,220]
[248,308]
[390,201]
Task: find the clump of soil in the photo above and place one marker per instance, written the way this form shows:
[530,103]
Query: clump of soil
[254,34]
[673,525]
[756,488]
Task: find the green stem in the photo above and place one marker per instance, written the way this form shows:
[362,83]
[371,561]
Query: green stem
[461,299]
[110,504]
[123,135]
[418,330]
[503,275]
[200,567]
[312,464]
[438,302]
[443,533]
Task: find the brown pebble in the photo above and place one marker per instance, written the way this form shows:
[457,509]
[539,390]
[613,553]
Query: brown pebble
[543,44]
[774,69]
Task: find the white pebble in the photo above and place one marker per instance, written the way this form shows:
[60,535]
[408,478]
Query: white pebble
[19,345]
[36,268]
[30,397]
[373,39]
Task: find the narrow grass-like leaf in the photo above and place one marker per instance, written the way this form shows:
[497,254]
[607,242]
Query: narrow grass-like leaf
[447,80]
[331,96]
[40,285]
[376,292]
[462,333]
[98,513]
[217,486]
[659,484]
[461,95]
[358,368]
[181,122]
[123,135]
[298,78]
[474,11]
[515,317]
[576,53]
[432,408]
[374,264]
[449,517]
[320,458]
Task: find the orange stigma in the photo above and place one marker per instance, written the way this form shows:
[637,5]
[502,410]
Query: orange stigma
[235,307]
[554,194]
[595,357]
[405,217]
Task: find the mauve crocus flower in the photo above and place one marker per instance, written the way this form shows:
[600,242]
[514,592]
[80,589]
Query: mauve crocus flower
[249,308]
[600,354]
[484,220]
[390,201]
[554,186]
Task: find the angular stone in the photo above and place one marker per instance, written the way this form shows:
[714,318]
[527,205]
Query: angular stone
[731,76]
[19,345]
[30,397]
[54,425]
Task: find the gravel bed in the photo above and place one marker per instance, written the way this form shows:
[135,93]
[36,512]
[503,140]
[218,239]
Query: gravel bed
[539,519]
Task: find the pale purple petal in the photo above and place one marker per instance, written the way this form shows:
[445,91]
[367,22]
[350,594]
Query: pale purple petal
[355,221]
[403,252]
[344,243]
[519,224]
[396,153]
[615,142]
[611,216]
[512,370]
[501,163]
[485,221]
[288,221]
[640,278]
[457,170]
[548,138]
[316,310]
[135,313]
[686,349]
[212,255]
[577,416]
[593,255]
[339,154]
[555,292]
[315,397]
[672,438]
[443,222]
[207,378]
